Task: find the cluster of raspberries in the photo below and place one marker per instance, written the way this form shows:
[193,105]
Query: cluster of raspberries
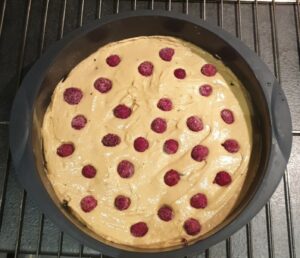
[125,168]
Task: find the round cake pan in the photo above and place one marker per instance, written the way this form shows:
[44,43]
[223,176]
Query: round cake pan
[271,117]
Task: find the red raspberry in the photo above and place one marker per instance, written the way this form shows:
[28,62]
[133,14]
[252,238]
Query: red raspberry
[198,201]
[179,73]
[73,95]
[227,116]
[88,203]
[122,202]
[103,85]
[172,177]
[165,213]
[192,227]
[141,144]
[122,111]
[89,171]
[208,70]
[125,169]
[113,60]
[65,150]
[165,104]
[159,125]
[205,90]
[199,152]
[231,145]
[111,140]
[171,146]
[166,54]
[139,229]
[78,122]
[146,68]
[222,178]
[194,123]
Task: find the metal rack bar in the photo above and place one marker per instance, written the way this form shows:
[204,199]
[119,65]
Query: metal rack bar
[41,222]
[81,13]
[220,12]
[204,10]
[170,5]
[297,23]
[186,7]
[20,224]
[99,9]
[289,217]
[256,34]
[275,42]
[3,193]
[249,240]
[60,243]
[40,237]
[267,206]
[44,27]
[269,230]
[80,250]
[2,16]
[207,253]
[134,5]
[4,187]
[117,6]
[285,177]
[63,17]
[152,5]
[238,19]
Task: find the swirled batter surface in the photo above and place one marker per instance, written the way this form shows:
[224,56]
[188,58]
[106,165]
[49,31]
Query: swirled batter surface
[102,136]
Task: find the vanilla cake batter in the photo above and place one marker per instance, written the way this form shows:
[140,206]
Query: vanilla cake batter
[148,141]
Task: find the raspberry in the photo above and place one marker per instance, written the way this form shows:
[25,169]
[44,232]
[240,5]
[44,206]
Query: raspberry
[65,150]
[139,229]
[205,90]
[113,60]
[141,144]
[170,146]
[231,145]
[192,226]
[179,73]
[103,85]
[146,68]
[88,203]
[73,95]
[227,116]
[199,152]
[159,125]
[165,213]
[78,122]
[89,171]
[172,177]
[122,111]
[166,54]
[198,201]
[125,169]
[194,123]
[208,70]
[111,140]
[122,202]
[222,178]
[165,104]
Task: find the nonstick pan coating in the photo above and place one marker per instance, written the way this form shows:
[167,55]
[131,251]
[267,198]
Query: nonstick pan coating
[271,116]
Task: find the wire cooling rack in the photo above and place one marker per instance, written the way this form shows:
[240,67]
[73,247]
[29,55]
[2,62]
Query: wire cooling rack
[270,28]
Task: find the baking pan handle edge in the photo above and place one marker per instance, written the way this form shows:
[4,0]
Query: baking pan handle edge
[281,120]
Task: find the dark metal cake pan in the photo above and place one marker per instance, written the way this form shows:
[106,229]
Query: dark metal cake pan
[271,119]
